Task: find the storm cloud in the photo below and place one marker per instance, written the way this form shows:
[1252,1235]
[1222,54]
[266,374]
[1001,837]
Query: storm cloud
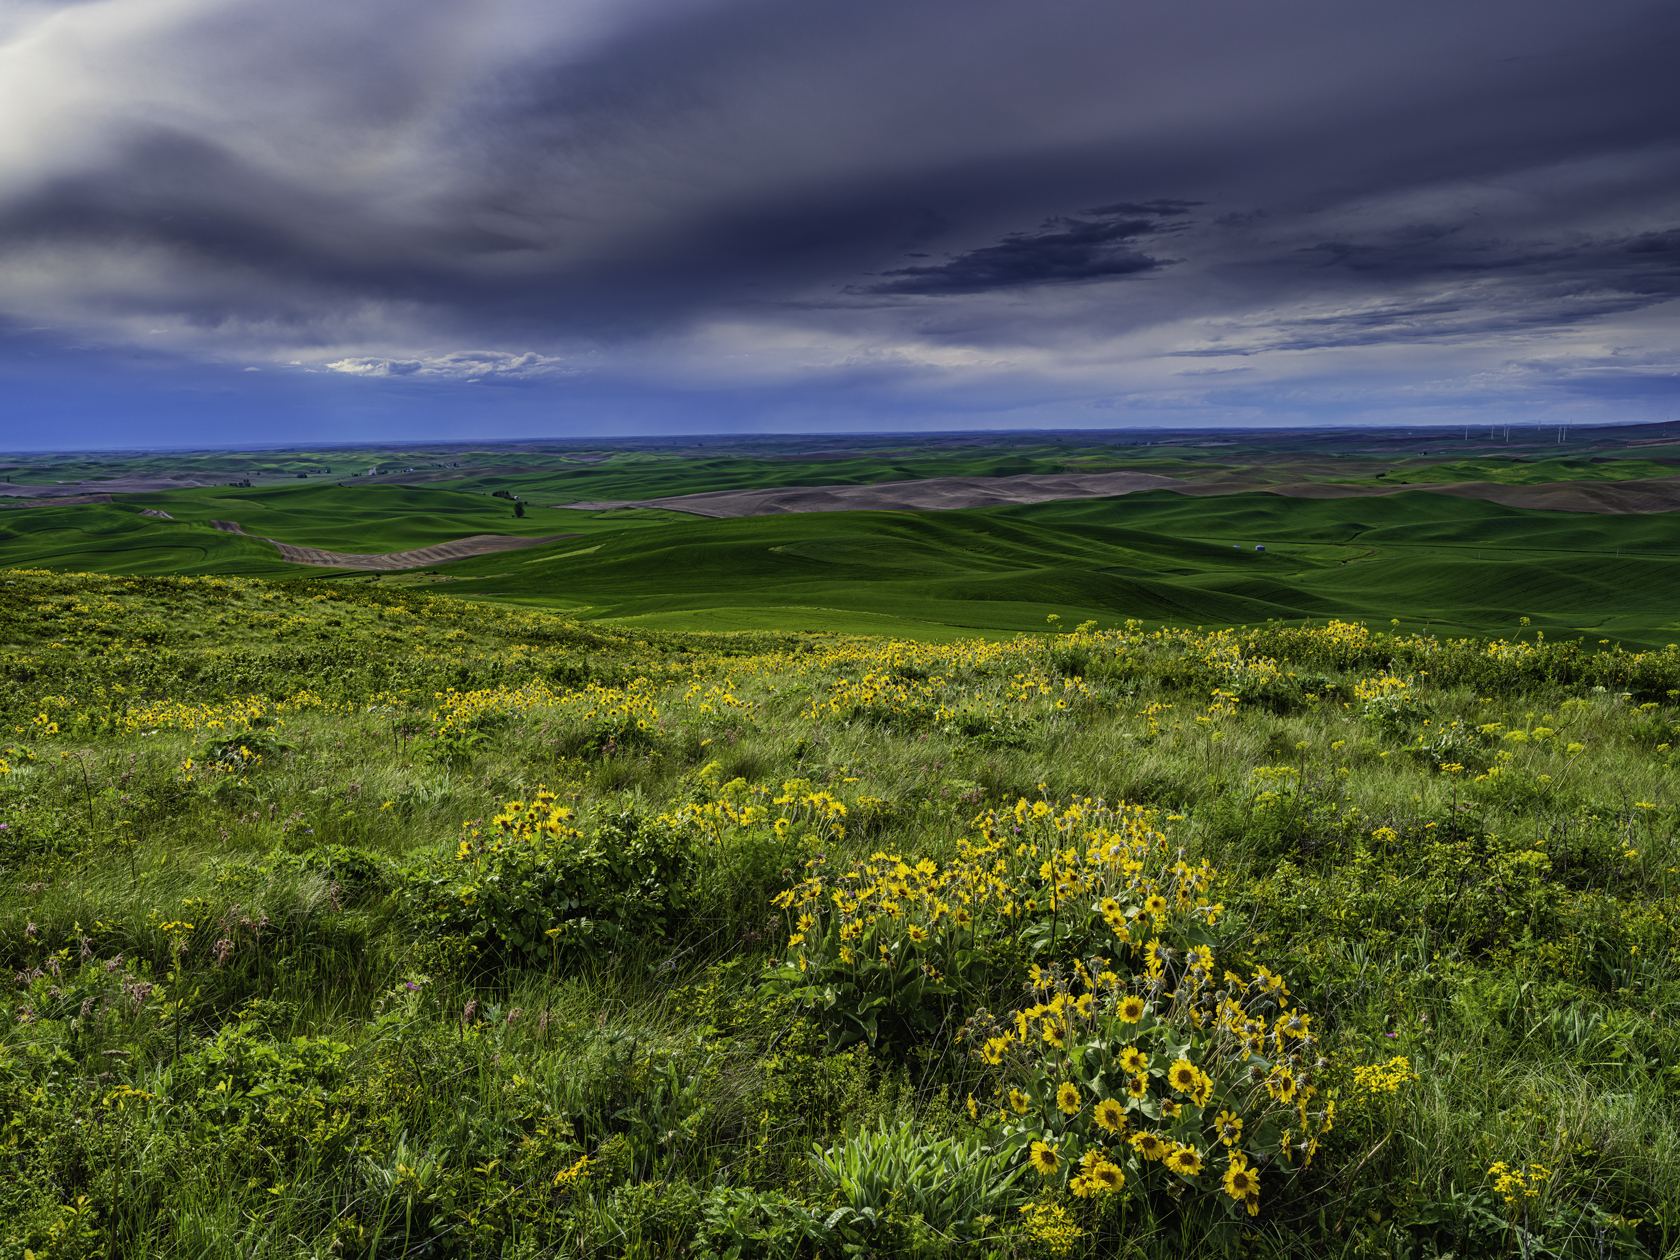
[1064,250]
[926,208]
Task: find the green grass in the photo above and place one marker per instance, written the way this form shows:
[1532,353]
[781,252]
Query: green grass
[268,1006]
[618,468]
[360,519]
[106,538]
[658,479]
[782,619]
[231,465]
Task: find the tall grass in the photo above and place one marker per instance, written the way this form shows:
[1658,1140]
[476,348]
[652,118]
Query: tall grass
[309,1068]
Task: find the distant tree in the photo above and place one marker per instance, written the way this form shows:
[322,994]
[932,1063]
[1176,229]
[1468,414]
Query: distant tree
[518,508]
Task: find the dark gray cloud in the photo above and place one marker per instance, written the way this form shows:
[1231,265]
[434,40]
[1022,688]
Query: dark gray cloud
[1063,251]
[947,198]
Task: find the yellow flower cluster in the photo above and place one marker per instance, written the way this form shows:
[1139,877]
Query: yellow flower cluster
[920,698]
[579,1171]
[941,685]
[716,698]
[541,818]
[630,710]
[1160,1064]
[799,808]
[1097,1175]
[1239,670]
[1037,683]
[1049,1224]
[1089,856]
[459,710]
[1384,1078]
[1382,687]
[1514,1183]
[61,713]
[1272,784]
[1152,718]
[1096,853]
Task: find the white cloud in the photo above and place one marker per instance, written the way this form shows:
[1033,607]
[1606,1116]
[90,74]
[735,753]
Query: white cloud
[462,365]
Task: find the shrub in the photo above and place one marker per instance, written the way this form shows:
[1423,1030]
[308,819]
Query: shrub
[533,887]
[1173,1082]
[903,947]
[1390,701]
[743,1224]
[1279,812]
[245,750]
[914,1194]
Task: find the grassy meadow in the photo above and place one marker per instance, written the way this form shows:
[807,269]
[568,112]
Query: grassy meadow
[354,918]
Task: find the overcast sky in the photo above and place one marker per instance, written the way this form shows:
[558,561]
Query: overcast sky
[297,220]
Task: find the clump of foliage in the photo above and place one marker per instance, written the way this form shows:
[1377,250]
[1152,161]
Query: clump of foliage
[534,886]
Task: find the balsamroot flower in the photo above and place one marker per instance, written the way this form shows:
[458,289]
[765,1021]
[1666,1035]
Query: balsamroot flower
[1183,1075]
[1109,1115]
[1150,1145]
[1043,1157]
[1242,1183]
[1067,1098]
[1229,1126]
[1186,1161]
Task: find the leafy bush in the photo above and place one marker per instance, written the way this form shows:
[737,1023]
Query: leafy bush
[246,749]
[745,1224]
[1165,1083]
[243,1075]
[915,1194]
[902,948]
[1275,814]
[1390,701]
[534,887]
[1447,744]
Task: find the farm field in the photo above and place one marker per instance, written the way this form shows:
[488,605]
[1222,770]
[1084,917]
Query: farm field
[1408,531]
[350,919]
[1466,565]
[1157,557]
[645,468]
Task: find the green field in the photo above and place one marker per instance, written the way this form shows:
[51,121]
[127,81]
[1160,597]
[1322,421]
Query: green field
[363,519]
[1513,471]
[1462,565]
[621,468]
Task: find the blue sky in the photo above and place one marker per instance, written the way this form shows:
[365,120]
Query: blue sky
[247,221]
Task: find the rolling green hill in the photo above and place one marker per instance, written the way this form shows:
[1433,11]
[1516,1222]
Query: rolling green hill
[106,538]
[1517,472]
[366,518]
[1463,565]
[116,538]
[648,479]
